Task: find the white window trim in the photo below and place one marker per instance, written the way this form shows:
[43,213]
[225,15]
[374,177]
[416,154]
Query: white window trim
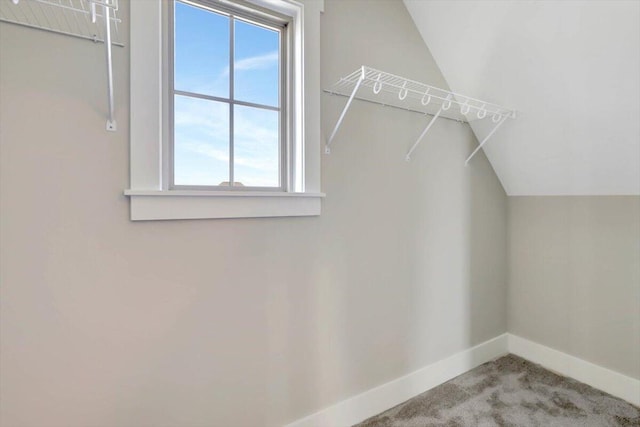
[150,197]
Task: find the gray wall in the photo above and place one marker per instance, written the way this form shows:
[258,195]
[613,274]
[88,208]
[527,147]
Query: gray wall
[251,322]
[574,280]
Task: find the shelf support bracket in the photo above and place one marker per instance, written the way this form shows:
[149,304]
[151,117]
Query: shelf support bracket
[424,132]
[486,138]
[327,149]
[111,122]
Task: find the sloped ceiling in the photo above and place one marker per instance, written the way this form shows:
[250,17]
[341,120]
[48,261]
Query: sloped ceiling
[571,69]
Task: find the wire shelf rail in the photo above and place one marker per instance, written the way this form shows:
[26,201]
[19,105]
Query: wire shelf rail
[371,85]
[95,20]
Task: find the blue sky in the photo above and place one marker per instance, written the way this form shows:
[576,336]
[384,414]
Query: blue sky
[201,138]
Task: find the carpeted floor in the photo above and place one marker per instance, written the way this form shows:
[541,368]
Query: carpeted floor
[510,392]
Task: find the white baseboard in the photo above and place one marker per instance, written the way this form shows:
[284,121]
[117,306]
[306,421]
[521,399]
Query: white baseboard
[378,399]
[371,402]
[612,382]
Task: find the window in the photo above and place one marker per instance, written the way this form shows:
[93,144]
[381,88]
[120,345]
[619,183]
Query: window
[227,98]
[225,109]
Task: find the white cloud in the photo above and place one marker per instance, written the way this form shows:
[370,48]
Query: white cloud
[258,62]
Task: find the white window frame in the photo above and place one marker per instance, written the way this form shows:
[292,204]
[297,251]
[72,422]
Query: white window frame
[265,19]
[151,197]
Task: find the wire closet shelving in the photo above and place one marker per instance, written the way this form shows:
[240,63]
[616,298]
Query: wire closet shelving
[371,85]
[94,20]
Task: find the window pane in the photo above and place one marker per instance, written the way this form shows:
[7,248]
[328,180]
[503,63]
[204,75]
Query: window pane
[256,147]
[201,141]
[201,51]
[257,64]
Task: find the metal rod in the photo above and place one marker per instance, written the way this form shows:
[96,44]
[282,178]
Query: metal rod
[64,6]
[33,14]
[411,110]
[327,150]
[486,138]
[11,10]
[64,16]
[75,17]
[46,18]
[424,132]
[87,27]
[111,123]
[49,30]
[116,26]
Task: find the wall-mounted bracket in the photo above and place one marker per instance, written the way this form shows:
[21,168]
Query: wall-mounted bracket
[327,148]
[486,138]
[75,18]
[424,132]
[111,122]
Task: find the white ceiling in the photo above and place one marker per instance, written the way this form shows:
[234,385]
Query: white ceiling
[570,68]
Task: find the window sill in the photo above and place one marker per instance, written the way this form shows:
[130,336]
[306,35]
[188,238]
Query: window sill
[186,204]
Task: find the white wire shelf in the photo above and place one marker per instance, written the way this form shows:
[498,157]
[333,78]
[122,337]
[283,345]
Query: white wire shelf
[371,85]
[95,20]
[68,17]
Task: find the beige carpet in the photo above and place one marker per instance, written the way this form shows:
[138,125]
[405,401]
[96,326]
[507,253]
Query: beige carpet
[510,392]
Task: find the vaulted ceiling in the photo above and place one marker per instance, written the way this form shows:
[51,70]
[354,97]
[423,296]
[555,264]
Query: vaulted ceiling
[570,68]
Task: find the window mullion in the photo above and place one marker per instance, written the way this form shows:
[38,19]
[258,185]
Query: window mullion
[201,96]
[231,99]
